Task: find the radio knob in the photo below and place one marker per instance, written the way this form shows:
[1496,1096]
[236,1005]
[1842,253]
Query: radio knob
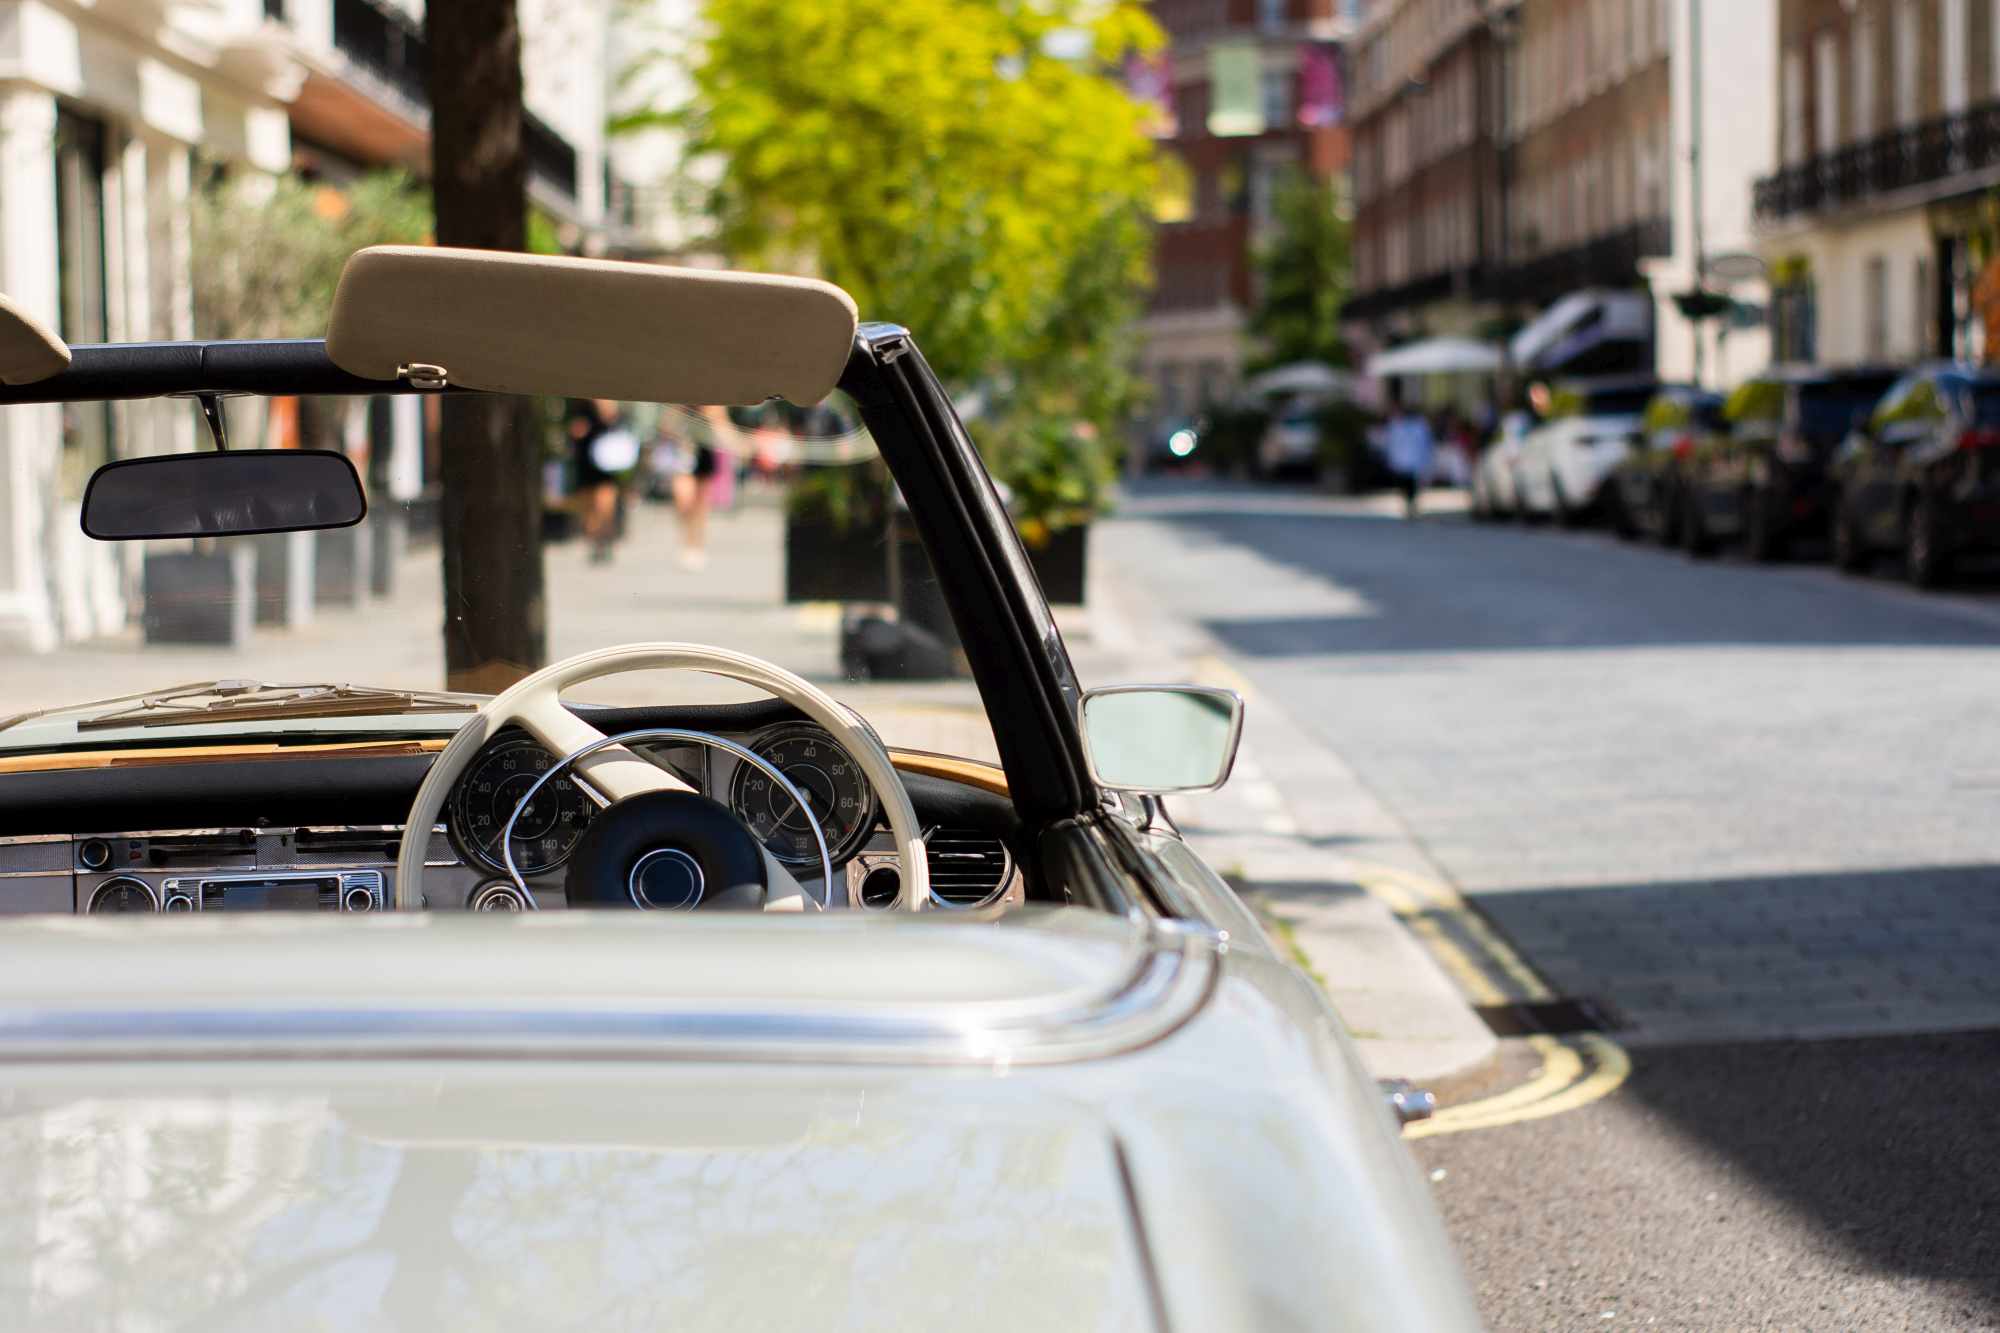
[180,902]
[94,853]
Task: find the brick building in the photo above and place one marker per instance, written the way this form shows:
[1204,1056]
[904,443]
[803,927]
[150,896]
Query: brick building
[1193,335]
[1877,223]
[1510,153]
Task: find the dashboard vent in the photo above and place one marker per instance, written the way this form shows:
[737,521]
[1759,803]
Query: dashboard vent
[968,868]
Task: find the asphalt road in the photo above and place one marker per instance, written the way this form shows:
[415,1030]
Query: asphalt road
[1752,812]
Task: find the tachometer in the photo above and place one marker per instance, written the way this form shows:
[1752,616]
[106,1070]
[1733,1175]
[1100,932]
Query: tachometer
[831,781]
[500,775]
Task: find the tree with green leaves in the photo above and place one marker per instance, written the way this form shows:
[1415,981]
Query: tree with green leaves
[1305,271]
[975,171]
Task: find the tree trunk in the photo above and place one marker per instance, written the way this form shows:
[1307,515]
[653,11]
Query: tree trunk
[495,625]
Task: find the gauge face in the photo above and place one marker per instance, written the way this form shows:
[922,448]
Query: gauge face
[117,896]
[485,796]
[831,782]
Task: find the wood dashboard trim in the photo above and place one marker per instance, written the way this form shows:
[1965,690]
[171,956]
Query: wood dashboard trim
[213,754]
[971,772]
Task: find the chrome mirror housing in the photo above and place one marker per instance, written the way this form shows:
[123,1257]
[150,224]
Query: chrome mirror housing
[1153,740]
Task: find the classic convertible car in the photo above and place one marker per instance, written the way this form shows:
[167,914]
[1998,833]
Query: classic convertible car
[302,1027]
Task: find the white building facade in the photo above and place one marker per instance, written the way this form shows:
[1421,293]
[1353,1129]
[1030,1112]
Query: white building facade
[111,114]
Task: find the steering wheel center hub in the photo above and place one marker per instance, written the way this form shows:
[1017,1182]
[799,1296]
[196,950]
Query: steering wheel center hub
[666,879]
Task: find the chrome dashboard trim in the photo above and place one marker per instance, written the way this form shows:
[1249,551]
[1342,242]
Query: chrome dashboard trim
[23,839]
[1168,981]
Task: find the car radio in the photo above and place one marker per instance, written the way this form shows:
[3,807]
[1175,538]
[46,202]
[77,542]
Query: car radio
[275,891]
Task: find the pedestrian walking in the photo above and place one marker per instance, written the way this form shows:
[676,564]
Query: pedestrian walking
[602,450]
[690,463]
[1411,449]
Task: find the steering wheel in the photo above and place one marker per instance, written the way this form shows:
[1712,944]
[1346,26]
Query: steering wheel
[653,812]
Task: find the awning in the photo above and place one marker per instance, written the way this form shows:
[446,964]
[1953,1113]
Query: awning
[1436,356]
[1586,332]
[1300,377]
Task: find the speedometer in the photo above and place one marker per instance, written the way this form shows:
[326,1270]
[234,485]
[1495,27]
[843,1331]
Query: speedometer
[825,774]
[486,795]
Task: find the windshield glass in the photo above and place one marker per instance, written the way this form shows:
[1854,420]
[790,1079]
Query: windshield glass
[773,531]
[1827,411]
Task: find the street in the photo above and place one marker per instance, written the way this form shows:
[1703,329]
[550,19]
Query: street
[1747,812]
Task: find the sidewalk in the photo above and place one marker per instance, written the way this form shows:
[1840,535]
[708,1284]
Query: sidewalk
[1294,828]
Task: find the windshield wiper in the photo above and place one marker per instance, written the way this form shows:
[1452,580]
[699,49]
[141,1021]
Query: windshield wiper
[244,700]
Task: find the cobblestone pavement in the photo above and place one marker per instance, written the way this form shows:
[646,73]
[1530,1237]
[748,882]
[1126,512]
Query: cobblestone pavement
[1732,801]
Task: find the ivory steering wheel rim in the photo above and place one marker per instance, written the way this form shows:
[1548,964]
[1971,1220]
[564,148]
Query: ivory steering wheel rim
[534,704]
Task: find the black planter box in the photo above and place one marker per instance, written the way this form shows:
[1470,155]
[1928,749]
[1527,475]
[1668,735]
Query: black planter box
[201,597]
[828,563]
[1059,563]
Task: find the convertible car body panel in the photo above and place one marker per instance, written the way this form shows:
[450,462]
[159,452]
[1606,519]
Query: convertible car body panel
[1169,1173]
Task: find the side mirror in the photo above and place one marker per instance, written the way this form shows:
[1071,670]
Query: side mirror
[233,494]
[1156,739]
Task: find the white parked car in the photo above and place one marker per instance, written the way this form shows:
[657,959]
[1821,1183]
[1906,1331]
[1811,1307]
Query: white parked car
[1290,446]
[303,1024]
[1495,484]
[1568,460]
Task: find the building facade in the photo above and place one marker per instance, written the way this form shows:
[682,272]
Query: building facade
[1879,224]
[1194,340]
[112,115]
[1511,153]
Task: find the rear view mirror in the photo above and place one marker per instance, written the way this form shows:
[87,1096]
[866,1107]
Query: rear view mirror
[1155,739]
[234,494]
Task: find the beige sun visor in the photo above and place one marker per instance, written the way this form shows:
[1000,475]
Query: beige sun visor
[589,328]
[28,350]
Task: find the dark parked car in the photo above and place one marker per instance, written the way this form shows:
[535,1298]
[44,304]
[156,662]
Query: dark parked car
[1647,486]
[1923,475]
[1763,478]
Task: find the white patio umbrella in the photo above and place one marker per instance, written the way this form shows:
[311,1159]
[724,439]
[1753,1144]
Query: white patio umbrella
[1436,356]
[1300,377]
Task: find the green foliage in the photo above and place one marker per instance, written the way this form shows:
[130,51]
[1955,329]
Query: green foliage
[935,160]
[849,495]
[267,251]
[1343,438]
[1306,270]
[928,156]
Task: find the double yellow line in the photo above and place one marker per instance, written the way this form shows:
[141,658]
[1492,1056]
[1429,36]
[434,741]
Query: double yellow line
[1575,1071]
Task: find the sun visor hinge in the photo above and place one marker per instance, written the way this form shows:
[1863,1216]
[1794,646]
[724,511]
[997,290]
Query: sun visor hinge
[422,375]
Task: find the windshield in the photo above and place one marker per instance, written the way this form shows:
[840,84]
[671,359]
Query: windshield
[1827,411]
[773,531]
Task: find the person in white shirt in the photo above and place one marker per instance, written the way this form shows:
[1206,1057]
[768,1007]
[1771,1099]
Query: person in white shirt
[1412,448]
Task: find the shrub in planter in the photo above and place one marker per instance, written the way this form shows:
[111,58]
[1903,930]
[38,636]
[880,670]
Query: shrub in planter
[1058,476]
[836,535]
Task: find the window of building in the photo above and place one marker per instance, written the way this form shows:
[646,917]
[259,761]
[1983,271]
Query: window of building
[1953,54]
[1875,306]
[1793,133]
[1277,87]
[1861,45]
[80,280]
[1826,92]
[1908,58]
[1923,338]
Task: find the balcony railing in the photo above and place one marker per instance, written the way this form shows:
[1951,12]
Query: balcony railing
[1914,155]
[1611,260]
[389,47]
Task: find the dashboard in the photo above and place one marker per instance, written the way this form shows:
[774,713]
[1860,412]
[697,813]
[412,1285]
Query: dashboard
[286,843]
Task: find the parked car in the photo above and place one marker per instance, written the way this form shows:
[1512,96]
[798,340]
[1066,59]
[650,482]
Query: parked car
[1922,475]
[1649,479]
[1568,459]
[1495,485]
[854,1037]
[1290,447]
[1761,479]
